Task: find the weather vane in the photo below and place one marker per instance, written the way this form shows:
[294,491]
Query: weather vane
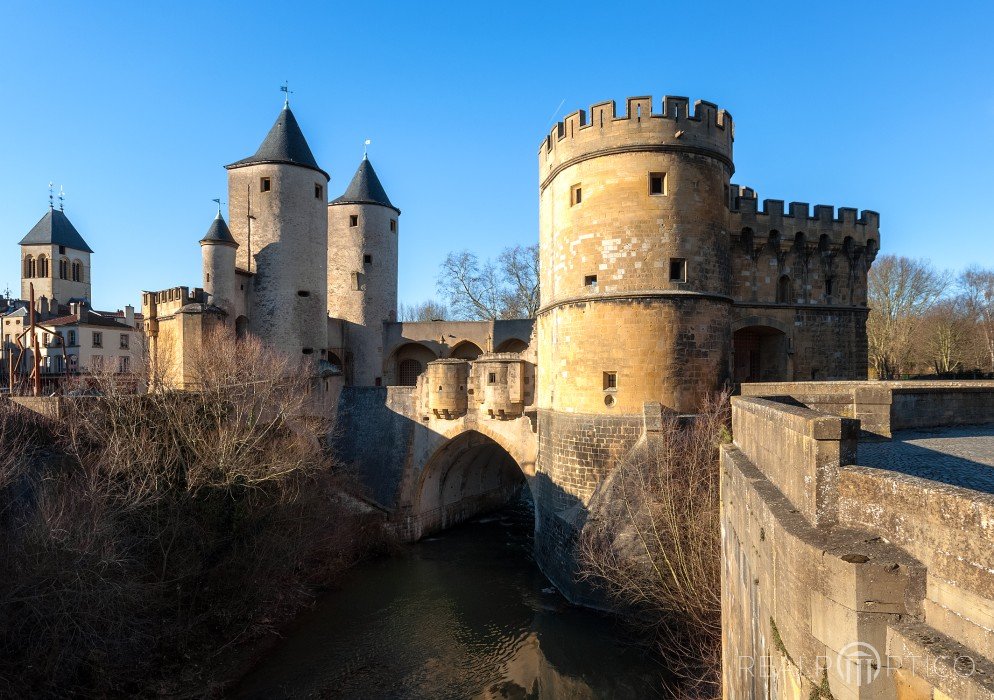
[218,200]
[285,88]
[62,198]
[51,195]
[365,148]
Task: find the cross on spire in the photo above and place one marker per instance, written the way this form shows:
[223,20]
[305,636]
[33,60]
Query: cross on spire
[285,88]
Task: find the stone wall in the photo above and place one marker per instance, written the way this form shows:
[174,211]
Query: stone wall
[362,283]
[885,406]
[858,581]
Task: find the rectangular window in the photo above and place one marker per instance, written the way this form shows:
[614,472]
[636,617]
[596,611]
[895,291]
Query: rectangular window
[318,191]
[265,184]
[353,219]
[678,270]
[575,194]
[828,287]
[97,363]
[124,341]
[393,224]
[590,281]
[610,381]
[124,364]
[72,338]
[657,183]
[98,339]
[492,378]
[62,250]
[367,259]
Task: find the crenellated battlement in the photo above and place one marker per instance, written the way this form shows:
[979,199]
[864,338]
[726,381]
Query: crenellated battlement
[709,130]
[786,222]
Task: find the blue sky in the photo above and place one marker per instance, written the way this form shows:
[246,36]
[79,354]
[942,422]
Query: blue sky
[135,107]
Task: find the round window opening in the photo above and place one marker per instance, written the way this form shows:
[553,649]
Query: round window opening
[609,400]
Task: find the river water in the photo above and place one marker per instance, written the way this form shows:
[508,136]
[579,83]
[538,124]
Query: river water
[464,614]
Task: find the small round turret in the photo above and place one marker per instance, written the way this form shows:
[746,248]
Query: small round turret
[217,249]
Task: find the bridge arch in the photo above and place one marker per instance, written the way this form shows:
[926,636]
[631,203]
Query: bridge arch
[473,471]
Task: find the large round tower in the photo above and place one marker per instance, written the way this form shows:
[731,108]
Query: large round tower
[634,286]
[217,249]
[277,210]
[363,228]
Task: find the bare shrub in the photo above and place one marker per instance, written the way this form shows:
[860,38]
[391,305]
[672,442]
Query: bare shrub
[653,543]
[152,529]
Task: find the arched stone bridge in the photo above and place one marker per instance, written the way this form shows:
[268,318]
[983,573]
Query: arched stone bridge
[461,442]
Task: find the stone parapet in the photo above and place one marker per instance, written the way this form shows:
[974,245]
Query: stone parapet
[885,406]
[862,581]
[798,449]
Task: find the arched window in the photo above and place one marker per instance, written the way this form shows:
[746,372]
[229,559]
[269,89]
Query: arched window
[409,370]
[77,271]
[784,290]
[42,266]
[29,267]
[63,268]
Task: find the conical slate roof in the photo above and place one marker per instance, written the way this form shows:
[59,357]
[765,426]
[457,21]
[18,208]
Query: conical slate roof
[365,188]
[219,233]
[285,143]
[56,229]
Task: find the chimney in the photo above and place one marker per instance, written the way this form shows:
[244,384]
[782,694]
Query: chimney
[129,315]
[43,306]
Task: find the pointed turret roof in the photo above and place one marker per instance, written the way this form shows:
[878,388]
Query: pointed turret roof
[56,229]
[365,188]
[285,143]
[219,233]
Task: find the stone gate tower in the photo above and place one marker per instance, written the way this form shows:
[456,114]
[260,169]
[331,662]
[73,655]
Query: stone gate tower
[363,228]
[277,212]
[635,287]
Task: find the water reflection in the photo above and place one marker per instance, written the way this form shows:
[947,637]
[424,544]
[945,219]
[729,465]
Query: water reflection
[465,614]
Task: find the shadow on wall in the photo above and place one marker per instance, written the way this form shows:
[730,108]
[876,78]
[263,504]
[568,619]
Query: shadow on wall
[428,482]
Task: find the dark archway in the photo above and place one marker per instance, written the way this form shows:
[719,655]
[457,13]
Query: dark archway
[515,345]
[466,350]
[471,474]
[760,355]
[409,361]
[241,327]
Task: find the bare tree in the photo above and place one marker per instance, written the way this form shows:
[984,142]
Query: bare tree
[430,310]
[900,291]
[519,266]
[653,543]
[490,290]
[978,295]
[948,331]
[142,530]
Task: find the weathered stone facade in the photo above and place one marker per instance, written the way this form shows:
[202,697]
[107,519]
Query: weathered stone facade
[855,567]
[661,281]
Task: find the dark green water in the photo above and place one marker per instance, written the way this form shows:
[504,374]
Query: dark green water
[465,614]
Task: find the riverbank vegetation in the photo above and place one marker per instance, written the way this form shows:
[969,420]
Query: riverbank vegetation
[653,545]
[144,536]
